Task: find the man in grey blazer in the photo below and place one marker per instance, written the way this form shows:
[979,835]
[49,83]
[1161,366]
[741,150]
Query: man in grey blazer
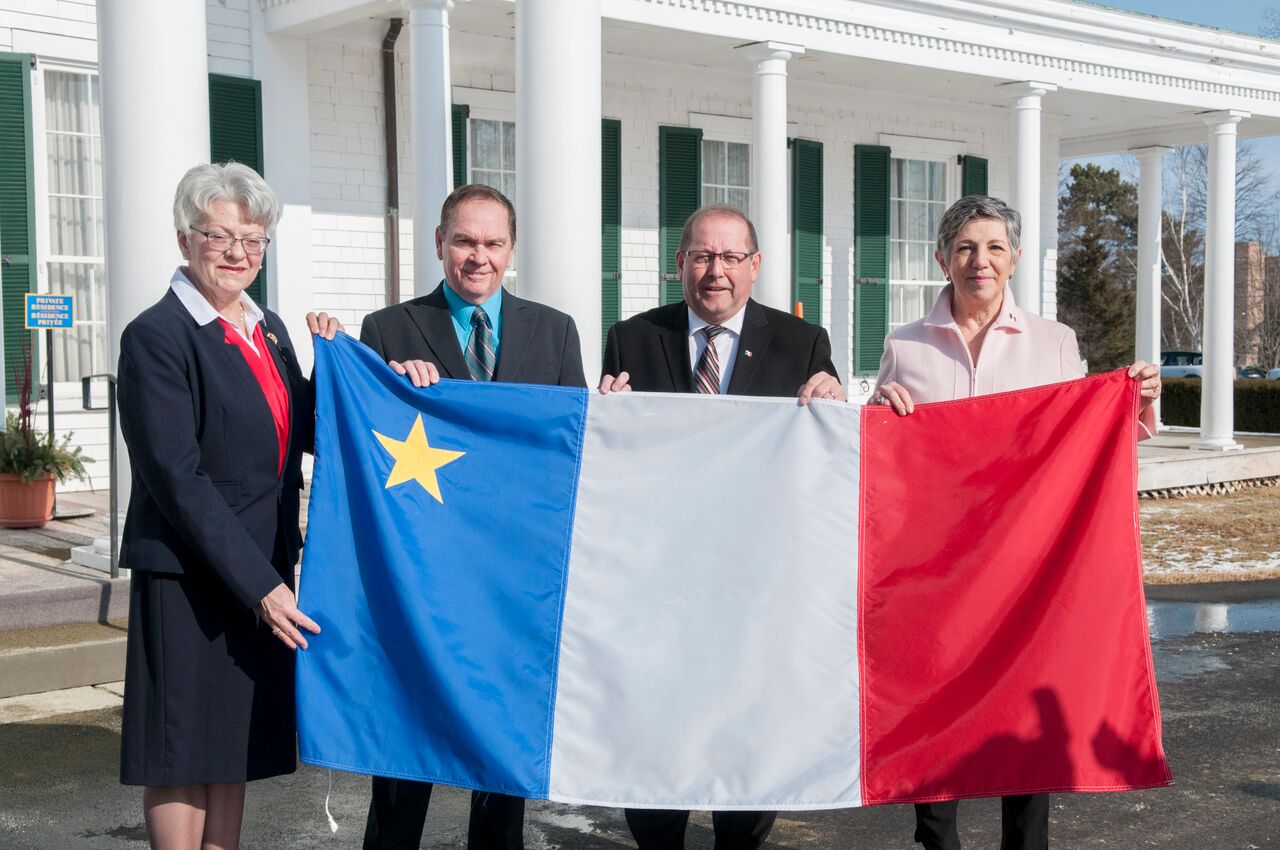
[429,337]
[468,328]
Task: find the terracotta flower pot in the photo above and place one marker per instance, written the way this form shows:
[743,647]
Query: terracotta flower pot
[25,505]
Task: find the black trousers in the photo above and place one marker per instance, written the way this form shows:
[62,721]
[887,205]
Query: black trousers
[1024,823]
[399,809]
[663,829]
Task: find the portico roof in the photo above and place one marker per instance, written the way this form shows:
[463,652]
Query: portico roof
[1123,80]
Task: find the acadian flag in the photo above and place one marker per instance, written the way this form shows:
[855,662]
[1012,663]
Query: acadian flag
[726,603]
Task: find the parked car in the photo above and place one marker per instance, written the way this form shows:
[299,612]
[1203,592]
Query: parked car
[1190,364]
[1181,364]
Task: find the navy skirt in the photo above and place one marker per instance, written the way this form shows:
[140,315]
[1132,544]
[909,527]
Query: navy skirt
[208,689]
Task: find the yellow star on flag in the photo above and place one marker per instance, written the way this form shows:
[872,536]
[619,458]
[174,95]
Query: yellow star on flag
[416,460]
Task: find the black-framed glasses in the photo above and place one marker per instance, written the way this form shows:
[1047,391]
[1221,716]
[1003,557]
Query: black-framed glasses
[728,259]
[224,241]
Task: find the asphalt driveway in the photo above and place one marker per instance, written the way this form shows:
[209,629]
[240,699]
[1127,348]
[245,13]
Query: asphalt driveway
[1218,662]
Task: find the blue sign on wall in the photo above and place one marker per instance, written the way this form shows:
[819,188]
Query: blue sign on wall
[45,310]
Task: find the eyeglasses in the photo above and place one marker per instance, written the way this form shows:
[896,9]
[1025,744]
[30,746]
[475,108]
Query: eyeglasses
[224,241]
[728,259]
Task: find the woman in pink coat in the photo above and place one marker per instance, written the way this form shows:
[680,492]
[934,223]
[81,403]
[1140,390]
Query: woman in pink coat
[976,340]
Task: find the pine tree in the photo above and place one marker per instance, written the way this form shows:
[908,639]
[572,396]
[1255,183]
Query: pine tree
[1090,302]
[1097,226]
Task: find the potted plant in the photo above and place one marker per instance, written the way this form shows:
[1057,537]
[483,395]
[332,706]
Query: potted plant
[32,462]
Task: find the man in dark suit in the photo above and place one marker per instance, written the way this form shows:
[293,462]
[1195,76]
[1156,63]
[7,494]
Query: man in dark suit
[469,327]
[718,340]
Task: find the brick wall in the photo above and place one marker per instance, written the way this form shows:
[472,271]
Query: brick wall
[228,37]
[348,179]
[68,30]
[63,29]
[1250,277]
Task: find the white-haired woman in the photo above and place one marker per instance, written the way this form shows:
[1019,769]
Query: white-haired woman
[216,415]
[976,341]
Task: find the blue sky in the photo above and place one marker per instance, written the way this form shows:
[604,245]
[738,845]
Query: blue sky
[1238,15]
[1244,16]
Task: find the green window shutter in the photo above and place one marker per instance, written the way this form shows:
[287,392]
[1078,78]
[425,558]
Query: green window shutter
[806,227]
[610,223]
[459,115]
[235,120]
[679,196]
[870,255]
[973,175]
[235,135]
[17,210]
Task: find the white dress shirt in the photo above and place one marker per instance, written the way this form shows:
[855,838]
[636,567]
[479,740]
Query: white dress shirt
[202,311]
[726,345]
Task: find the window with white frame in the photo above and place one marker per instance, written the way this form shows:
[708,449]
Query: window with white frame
[75,264]
[919,193]
[493,154]
[726,174]
[492,162]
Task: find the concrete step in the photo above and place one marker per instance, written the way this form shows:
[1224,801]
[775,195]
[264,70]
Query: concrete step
[40,586]
[77,598]
[29,707]
[55,658]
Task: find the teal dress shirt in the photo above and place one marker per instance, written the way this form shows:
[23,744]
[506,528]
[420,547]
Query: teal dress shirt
[460,311]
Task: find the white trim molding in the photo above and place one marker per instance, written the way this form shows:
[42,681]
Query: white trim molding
[487,103]
[1089,49]
[919,147]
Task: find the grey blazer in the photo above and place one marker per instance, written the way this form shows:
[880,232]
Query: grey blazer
[539,344]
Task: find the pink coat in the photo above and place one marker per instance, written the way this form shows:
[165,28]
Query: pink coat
[930,359]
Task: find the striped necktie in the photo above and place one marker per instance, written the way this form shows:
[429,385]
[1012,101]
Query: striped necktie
[479,355]
[707,375]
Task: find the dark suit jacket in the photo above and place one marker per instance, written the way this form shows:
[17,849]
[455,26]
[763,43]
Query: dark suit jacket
[784,352]
[201,438]
[539,345]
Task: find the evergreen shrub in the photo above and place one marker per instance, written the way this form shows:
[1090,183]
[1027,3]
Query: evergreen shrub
[1257,404]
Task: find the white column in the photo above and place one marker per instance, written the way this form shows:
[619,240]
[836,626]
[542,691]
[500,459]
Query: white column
[155,126]
[769,171]
[1217,393]
[1150,206]
[1027,96]
[148,141]
[280,63]
[558,162]
[432,99]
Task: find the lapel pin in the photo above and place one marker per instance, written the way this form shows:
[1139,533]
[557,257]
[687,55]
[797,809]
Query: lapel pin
[274,339]
[748,353]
